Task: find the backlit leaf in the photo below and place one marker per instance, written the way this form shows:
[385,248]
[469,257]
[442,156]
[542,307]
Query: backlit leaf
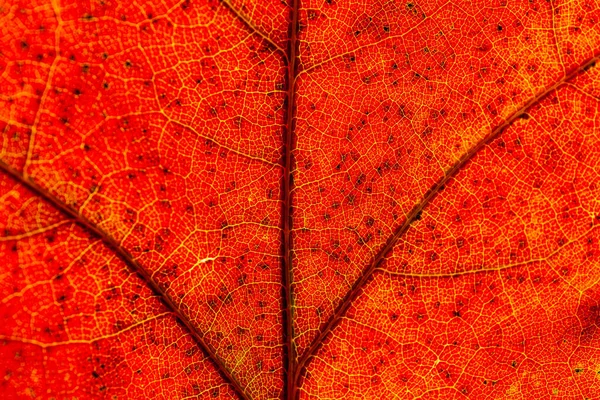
[305,199]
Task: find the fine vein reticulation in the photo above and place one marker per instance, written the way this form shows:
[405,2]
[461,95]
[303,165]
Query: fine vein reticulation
[295,364]
[133,264]
[411,217]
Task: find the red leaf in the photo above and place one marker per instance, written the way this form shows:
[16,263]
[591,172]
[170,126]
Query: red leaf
[318,199]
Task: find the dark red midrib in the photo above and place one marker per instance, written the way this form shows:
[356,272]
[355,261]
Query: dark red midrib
[361,281]
[286,212]
[133,264]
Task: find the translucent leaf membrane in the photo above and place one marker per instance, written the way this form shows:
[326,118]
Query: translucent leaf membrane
[390,96]
[77,322]
[493,292]
[161,124]
[152,134]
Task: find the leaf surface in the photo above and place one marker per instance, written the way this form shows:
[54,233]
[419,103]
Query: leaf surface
[319,199]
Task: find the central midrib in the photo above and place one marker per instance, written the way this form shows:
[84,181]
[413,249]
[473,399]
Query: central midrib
[286,212]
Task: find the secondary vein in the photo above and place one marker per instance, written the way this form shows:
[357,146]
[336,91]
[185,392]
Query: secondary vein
[378,259]
[128,259]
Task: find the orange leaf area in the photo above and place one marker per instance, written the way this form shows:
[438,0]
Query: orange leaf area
[493,291]
[299,199]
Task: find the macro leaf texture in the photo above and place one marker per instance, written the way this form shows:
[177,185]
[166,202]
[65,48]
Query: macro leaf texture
[300,199]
